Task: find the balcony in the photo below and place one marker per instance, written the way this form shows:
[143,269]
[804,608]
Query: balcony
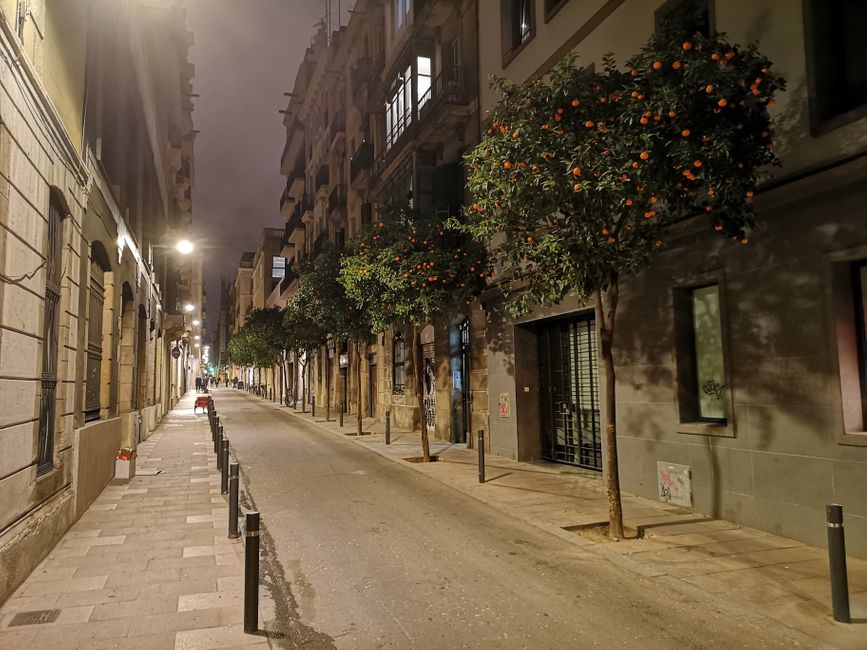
[446,106]
[321,177]
[319,244]
[361,160]
[336,130]
[337,199]
[364,82]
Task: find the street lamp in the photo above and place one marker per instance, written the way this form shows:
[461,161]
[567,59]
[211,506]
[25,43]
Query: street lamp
[184,247]
[197,337]
[189,307]
[198,346]
[197,322]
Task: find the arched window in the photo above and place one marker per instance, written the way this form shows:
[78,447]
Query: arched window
[50,333]
[398,365]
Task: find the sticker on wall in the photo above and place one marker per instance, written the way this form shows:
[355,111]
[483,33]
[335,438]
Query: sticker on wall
[505,405]
[675,483]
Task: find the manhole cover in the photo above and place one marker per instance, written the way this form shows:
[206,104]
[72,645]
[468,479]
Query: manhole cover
[35,617]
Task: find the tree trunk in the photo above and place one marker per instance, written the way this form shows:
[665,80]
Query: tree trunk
[606,310]
[358,386]
[328,369]
[418,368]
[305,383]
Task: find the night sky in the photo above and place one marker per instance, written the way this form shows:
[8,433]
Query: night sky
[246,53]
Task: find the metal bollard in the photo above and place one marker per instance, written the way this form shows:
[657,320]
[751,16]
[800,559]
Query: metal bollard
[233,501]
[837,563]
[217,428]
[388,427]
[341,416]
[251,573]
[481,455]
[224,468]
[313,406]
[219,448]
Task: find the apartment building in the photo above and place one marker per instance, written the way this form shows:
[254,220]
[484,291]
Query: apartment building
[96,175]
[383,110]
[787,432]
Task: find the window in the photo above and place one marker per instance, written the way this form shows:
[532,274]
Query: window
[836,51]
[96,298]
[401,9]
[685,18]
[423,83]
[517,25]
[703,390]
[50,327]
[859,286]
[552,7]
[278,267]
[398,365]
[398,109]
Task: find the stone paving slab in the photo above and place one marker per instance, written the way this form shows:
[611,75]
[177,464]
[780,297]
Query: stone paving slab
[149,564]
[734,567]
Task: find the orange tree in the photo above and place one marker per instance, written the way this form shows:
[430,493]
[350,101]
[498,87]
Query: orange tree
[417,269]
[328,312]
[580,174]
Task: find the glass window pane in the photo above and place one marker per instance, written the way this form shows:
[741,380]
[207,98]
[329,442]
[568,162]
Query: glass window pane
[424,65]
[710,371]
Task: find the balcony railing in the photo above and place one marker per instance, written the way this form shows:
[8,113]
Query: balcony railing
[362,159]
[337,198]
[451,88]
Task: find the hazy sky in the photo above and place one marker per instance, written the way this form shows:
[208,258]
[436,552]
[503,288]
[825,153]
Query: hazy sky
[246,53]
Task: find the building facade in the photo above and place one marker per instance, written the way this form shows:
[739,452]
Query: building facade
[96,184]
[780,433]
[383,109]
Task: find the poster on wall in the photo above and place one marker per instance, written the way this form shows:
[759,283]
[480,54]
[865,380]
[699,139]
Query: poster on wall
[675,483]
[505,405]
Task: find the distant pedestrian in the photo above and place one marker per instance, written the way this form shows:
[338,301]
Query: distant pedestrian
[198,384]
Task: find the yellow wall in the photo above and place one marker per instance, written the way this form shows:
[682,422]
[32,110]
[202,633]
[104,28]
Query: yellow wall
[65,49]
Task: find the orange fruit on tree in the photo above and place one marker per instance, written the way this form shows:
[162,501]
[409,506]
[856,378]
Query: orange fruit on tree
[576,187]
[696,163]
[643,120]
[589,124]
[507,165]
[628,201]
[657,65]
[685,133]
[722,102]
[676,65]
[635,165]
[687,45]
[576,171]
[714,56]
[644,155]
[708,88]
[671,113]
[611,240]
[576,103]
[605,231]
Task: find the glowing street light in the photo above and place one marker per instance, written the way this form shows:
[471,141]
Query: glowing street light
[197,322]
[197,338]
[198,346]
[184,247]
[189,307]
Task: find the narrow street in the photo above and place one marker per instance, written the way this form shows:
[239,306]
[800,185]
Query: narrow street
[362,552]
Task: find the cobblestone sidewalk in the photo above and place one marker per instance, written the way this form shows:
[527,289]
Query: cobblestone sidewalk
[148,565]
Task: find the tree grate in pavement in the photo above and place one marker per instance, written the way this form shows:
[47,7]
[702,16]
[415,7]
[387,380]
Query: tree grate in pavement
[36,617]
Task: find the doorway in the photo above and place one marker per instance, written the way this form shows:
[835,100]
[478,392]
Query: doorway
[371,385]
[569,392]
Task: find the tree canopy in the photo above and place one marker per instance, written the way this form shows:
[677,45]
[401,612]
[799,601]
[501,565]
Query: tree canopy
[580,173]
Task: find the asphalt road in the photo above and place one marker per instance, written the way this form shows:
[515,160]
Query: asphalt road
[362,552]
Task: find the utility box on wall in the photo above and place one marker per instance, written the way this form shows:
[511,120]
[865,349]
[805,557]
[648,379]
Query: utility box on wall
[674,483]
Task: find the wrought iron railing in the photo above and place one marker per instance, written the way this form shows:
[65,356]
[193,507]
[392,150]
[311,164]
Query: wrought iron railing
[360,160]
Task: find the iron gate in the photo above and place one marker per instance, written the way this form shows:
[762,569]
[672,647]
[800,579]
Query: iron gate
[569,390]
